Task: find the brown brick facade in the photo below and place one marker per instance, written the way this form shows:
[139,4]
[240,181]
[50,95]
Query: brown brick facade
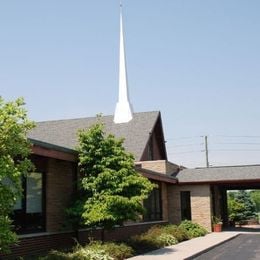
[201,208]
[60,186]
[165,213]
[160,166]
[33,245]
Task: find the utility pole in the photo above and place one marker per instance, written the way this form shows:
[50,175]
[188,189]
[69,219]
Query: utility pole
[206,151]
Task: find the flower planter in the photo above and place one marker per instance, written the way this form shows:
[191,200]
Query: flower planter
[217,227]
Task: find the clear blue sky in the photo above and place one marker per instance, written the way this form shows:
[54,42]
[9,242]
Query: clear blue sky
[198,62]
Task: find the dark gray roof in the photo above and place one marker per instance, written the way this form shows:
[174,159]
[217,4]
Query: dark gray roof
[219,174]
[156,175]
[63,133]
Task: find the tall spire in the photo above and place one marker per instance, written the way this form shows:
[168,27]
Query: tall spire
[123,112]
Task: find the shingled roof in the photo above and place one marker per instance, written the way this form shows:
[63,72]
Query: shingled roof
[63,133]
[219,174]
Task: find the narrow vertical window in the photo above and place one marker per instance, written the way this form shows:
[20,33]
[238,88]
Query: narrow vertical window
[34,193]
[150,149]
[185,205]
[29,210]
[153,205]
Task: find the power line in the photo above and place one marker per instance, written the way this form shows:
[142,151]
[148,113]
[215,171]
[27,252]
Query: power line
[183,137]
[237,136]
[186,152]
[184,145]
[218,144]
[238,143]
[235,150]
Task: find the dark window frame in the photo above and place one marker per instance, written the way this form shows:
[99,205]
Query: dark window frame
[153,205]
[23,220]
[150,151]
[185,199]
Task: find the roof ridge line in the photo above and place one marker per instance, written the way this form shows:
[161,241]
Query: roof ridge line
[78,118]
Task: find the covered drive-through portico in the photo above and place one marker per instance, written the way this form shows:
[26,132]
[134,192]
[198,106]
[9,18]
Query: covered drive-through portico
[219,196]
[208,190]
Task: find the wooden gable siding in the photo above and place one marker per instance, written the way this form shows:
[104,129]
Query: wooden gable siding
[156,142]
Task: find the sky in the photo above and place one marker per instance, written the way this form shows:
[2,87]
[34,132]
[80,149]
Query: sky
[198,62]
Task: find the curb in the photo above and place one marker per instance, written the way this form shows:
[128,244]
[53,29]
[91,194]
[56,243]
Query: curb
[211,247]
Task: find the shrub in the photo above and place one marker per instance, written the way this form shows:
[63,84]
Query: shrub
[141,245]
[156,237]
[115,250]
[193,229]
[85,253]
[167,240]
[57,255]
[81,253]
[179,233]
[94,251]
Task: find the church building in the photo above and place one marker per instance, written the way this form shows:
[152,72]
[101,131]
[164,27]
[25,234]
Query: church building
[194,194]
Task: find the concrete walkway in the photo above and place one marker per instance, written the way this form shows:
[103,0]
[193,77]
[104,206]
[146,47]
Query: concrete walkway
[190,248]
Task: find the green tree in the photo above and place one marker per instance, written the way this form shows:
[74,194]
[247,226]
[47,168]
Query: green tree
[235,210]
[14,162]
[243,196]
[255,196]
[111,190]
[240,206]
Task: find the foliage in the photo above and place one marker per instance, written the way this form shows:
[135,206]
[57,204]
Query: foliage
[159,236]
[167,239]
[255,196]
[147,241]
[111,191]
[241,206]
[14,162]
[193,229]
[94,251]
[178,232]
[216,220]
[118,251]
[81,253]
[250,209]
[7,236]
[235,210]
[156,237]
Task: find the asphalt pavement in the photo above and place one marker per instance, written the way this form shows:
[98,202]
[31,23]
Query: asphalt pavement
[242,247]
[196,247]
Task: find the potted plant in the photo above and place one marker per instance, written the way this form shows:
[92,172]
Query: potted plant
[217,224]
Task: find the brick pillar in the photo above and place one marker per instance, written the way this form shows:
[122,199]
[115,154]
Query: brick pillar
[59,190]
[165,216]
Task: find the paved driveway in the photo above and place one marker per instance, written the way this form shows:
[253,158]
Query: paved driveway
[243,247]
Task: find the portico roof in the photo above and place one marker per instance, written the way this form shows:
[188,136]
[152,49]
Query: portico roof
[244,173]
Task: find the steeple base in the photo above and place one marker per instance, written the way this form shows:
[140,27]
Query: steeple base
[123,113]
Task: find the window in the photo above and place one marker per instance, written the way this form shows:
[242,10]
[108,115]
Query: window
[153,205]
[185,205]
[150,149]
[28,211]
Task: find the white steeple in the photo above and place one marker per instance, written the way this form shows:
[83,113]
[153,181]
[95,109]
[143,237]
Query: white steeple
[123,112]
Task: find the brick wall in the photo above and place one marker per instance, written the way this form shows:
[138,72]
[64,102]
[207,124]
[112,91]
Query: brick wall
[34,245]
[60,179]
[201,209]
[165,213]
[37,244]
[161,166]
[120,233]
